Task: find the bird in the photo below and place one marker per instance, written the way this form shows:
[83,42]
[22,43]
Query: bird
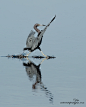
[32,42]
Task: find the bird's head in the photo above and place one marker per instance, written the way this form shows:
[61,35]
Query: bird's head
[36,25]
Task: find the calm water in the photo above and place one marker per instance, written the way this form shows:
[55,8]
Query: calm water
[30,83]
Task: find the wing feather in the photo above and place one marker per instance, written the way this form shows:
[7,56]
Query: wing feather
[30,39]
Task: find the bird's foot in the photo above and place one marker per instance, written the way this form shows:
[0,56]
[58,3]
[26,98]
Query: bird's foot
[28,54]
[47,57]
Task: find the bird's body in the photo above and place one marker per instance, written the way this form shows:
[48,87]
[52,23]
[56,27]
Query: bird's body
[32,42]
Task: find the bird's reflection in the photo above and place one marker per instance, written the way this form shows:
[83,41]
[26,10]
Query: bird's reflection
[34,70]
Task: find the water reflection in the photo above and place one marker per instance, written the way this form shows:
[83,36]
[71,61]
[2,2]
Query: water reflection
[32,71]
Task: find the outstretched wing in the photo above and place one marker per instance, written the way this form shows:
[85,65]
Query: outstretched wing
[30,40]
[43,31]
[51,21]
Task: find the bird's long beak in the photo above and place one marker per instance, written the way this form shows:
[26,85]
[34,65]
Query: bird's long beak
[42,25]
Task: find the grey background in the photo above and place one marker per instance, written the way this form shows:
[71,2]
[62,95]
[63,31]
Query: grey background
[65,39]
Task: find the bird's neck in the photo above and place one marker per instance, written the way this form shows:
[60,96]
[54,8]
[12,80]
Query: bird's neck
[35,27]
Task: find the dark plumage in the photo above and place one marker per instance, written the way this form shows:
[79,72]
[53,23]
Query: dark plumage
[33,43]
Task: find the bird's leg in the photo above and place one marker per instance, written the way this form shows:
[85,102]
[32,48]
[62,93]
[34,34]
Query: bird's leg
[28,54]
[43,53]
[42,61]
[28,59]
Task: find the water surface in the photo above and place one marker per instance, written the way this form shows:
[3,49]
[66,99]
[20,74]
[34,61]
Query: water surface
[56,80]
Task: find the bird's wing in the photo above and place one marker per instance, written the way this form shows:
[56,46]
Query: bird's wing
[35,43]
[30,40]
[51,21]
[43,31]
